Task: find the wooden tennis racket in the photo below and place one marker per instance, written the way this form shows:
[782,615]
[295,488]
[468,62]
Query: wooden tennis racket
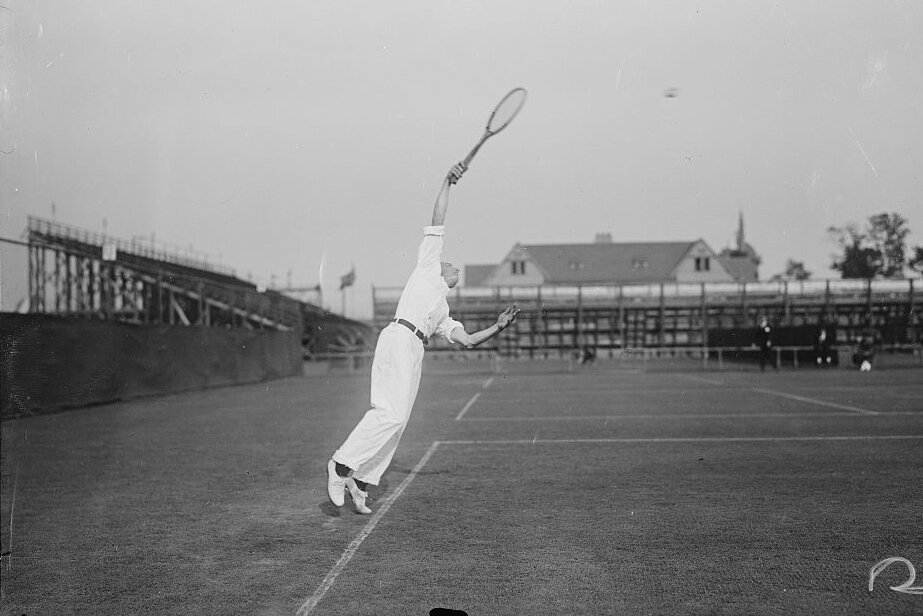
[507,109]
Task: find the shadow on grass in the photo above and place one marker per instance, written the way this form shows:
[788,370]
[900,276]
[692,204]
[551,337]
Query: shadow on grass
[329,509]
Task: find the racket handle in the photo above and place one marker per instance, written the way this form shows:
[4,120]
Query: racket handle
[474,150]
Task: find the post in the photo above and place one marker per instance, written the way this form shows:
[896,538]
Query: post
[495,344]
[660,333]
[543,325]
[158,305]
[704,309]
[578,333]
[910,315]
[33,285]
[201,319]
[622,315]
[786,307]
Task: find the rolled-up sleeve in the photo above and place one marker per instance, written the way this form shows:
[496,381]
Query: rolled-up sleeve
[431,247]
[446,327]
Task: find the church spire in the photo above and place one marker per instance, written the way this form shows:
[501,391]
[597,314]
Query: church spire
[741,244]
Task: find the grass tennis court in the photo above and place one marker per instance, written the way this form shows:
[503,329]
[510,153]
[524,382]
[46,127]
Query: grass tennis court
[544,488]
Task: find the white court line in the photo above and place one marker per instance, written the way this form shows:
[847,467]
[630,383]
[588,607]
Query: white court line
[685,416]
[701,379]
[814,401]
[308,606]
[473,399]
[467,406]
[706,439]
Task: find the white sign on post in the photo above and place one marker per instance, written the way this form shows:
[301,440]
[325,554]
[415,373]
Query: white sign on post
[109,251]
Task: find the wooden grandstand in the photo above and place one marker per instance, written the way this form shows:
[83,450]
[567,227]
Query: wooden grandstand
[75,272]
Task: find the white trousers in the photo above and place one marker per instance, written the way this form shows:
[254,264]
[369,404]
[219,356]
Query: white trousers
[396,371]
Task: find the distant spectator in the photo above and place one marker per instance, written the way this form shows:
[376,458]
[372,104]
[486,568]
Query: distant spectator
[587,355]
[865,351]
[822,348]
[764,342]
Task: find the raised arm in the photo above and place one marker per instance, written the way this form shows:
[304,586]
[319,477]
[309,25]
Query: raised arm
[442,199]
[470,341]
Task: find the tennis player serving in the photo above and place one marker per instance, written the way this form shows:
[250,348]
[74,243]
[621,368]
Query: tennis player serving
[422,312]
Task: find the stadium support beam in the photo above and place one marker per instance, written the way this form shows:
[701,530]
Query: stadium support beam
[178,310]
[245,316]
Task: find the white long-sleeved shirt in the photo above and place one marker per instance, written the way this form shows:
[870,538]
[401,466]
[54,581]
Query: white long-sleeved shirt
[423,301]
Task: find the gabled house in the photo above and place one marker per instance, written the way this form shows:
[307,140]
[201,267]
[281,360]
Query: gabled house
[602,262]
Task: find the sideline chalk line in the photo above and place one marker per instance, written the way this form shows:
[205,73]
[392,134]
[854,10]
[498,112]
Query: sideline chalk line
[473,399]
[311,602]
[834,405]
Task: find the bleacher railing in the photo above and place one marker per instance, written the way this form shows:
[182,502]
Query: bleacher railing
[140,246]
[564,294]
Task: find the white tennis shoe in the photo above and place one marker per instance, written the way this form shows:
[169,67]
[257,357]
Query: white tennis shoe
[358,497]
[335,485]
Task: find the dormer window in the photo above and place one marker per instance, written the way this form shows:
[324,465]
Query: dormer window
[639,263]
[576,265]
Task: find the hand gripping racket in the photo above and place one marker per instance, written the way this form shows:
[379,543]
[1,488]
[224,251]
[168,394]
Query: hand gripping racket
[500,118]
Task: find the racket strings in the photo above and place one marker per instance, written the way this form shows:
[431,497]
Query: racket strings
[506,110]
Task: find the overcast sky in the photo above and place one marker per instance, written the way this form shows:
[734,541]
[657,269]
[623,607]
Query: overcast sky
[297,138]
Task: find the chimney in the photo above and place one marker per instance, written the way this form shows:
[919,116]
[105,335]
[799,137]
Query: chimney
[603,238]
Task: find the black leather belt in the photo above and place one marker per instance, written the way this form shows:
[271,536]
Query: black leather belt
[416,332]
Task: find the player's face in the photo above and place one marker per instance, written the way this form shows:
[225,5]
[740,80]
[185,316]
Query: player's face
[450,274]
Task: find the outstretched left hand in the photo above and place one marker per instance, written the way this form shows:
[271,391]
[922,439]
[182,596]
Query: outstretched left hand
[507,317]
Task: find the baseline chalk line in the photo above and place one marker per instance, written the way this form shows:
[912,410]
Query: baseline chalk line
[704,439]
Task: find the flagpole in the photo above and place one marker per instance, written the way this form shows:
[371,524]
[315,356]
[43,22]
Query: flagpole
[346,281]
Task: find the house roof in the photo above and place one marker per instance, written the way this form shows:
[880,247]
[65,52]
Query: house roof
[475,275]
[607,262]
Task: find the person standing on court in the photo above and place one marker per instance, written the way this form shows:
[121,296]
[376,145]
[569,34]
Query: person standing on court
[422,312]
[764,342]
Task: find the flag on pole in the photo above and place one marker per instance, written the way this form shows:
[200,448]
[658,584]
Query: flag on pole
[347,280]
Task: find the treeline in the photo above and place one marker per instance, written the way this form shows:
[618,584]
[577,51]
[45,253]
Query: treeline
[876,250]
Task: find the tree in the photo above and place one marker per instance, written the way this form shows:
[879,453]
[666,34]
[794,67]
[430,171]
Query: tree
[794,270]
[877,251]
[916,260]
[888,233]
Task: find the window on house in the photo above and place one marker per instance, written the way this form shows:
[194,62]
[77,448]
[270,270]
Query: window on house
[518,267]
[639,263]
[576,265]
[702,264]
